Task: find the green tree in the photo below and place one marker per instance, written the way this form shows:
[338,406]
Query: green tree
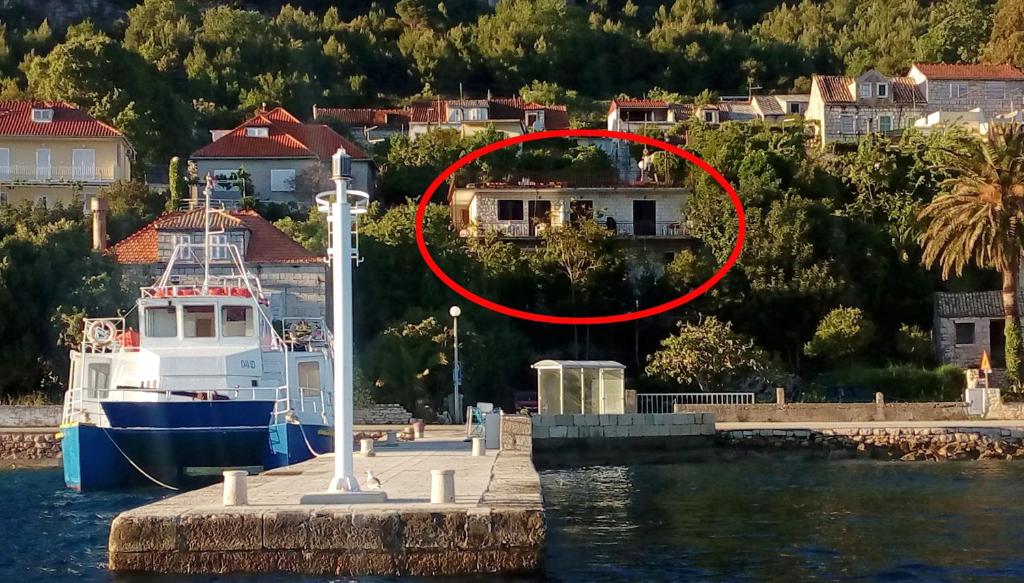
[176,183]
[1006,45]
[956,33]
[978,220]
[842,334]
[708,354]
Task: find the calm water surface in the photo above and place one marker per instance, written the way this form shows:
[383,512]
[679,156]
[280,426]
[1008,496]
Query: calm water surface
[766,520]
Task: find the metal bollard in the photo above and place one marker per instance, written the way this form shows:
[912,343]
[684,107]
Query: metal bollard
[442,486]
[392,439]
[478,447]
[366,447]
[235,493]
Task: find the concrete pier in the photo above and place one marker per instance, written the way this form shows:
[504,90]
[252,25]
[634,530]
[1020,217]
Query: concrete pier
[495,524]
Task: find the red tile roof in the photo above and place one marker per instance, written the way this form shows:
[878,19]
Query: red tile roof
[363,116]
[836,89]
[267,243]
[68,121]
[976,72]
[287,138]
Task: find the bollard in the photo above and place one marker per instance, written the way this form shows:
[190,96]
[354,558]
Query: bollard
[478,447]
[392,439]
[780,396]
[879,399]
[442,486]
[417,428]
[234,488]
[366,447]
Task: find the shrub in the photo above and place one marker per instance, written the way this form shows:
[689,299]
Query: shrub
[913,344]
[899,382]
[841,334]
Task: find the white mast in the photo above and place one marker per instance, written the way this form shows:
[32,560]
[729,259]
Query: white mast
[206,235]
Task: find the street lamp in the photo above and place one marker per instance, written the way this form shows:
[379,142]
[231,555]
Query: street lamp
[343,489]
[455,312]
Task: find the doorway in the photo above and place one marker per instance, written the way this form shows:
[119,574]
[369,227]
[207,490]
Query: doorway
[644,214]
[997,342]
[539,213]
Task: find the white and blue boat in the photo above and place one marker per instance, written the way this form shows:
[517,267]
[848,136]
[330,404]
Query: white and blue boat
[207,383]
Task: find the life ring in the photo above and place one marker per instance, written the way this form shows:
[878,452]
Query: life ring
[101,332]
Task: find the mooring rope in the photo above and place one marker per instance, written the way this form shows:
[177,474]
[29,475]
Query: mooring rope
[136,466]
[309,445]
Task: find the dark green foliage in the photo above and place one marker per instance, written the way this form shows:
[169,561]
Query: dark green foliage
[899,382]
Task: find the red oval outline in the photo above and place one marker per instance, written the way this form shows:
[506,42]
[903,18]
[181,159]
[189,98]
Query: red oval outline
[734,256]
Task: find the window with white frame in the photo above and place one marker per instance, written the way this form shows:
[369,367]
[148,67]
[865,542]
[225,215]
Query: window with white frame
[225,180]
[40,115]
[257,132]
[882,90]
[885,123]
[219,247]
[43,163]
[846,124]
[710,116]
[995,90]
[794,107]
[5,163]
[958,89]
[282,180]
[864,90]
[181,239]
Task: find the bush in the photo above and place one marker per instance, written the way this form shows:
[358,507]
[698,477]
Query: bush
[913,344]
[899,382]
[842,334]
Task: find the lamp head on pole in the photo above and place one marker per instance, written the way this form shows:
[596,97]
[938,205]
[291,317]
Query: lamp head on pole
[455,311]
[341,165]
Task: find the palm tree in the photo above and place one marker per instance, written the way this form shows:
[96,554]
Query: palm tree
[979,218]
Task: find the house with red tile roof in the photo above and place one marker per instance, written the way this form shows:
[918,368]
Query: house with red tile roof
[285,159]
[511,116]
[636,115]
[293,277]
[844,109]
[963,87]
[53,152]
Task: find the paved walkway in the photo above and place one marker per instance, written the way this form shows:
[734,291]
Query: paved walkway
[727,426]
[404,472]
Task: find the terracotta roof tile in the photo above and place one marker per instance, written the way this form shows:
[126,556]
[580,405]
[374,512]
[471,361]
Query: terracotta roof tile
[364,116]
[267,243]
[970,71]
[68,121]
[287,137]
[836,89]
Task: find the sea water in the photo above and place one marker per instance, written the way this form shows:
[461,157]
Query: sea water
[747,520]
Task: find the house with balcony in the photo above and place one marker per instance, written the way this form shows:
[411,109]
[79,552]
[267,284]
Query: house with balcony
[53,152]
[648,216]
[293,277]
[286,160]
[637,115]
[844,109]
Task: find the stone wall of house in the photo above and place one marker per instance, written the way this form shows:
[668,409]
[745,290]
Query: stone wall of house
[991,96]
[964,355]
[381,414]
[28,445]
[902,115]
[30,416]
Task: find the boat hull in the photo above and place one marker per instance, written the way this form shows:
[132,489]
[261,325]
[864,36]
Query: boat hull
[175,449]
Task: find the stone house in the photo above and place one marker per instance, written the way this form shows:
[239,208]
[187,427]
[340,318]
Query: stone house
[287,160]
[53,152]
[966,324]
[293,277]
[965,87]
[843,109]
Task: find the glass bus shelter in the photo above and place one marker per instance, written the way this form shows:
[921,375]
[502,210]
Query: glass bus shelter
[580,386]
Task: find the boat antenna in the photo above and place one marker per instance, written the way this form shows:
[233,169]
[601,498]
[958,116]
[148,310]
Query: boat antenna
[210,181]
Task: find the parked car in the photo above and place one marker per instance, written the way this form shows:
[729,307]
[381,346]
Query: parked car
[526,400]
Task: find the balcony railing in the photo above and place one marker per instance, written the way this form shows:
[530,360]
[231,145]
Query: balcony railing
[47,174]
[524,230]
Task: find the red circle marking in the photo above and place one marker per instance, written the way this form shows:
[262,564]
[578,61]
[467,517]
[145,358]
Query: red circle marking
[611,319]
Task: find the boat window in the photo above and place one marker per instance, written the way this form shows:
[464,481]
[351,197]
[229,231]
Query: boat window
[237,321]
[162,322]
[99,376]
[199,322]
[309,378]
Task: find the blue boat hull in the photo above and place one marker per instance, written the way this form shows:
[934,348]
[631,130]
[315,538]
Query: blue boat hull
[100,458]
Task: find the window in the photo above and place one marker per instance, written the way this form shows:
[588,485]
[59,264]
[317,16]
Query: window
[885,123]
[477,113]
[995,90]
[455,114]
[236,321]
[83,164]
[257,132]
[5,163]
[282,180]
[219,248]
[161,322]
[846,124]
[42,115]
[958,90]
[794,108]
[176,240]
[309,378]
[43,163]
[882,90]
[198,322]
[710,116]
[864,90]
[225,180]
[99,376]
[965,332]
[510,210]
[535,120]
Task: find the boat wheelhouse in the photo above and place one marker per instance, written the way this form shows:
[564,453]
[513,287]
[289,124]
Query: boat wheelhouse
[208,382]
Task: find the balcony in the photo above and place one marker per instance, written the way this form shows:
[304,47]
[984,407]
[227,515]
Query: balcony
[630,230]
[31,174]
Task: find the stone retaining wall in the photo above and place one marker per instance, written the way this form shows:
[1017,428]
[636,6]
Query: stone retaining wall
[18,445]
[516,431]
[835,412]
[381,414]
[30,416]
[629,430]
[904,444]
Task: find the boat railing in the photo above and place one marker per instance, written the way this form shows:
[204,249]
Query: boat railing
[75,409]
[666,402]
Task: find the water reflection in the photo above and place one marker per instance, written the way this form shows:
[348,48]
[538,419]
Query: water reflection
[769,519]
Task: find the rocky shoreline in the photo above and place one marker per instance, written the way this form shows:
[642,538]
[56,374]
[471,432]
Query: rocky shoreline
[898,444]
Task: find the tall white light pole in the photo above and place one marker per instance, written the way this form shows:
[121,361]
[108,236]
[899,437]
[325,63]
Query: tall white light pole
[344,488]
[455,312]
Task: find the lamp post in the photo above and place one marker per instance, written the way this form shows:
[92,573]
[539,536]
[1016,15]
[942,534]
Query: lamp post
[455,312]
[344,488]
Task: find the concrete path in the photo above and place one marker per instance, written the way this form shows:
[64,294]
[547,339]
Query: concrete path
[1009,424]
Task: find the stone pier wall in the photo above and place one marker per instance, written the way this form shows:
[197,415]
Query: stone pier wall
[629,430]
[28,445]
[834,412]
[904,444]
